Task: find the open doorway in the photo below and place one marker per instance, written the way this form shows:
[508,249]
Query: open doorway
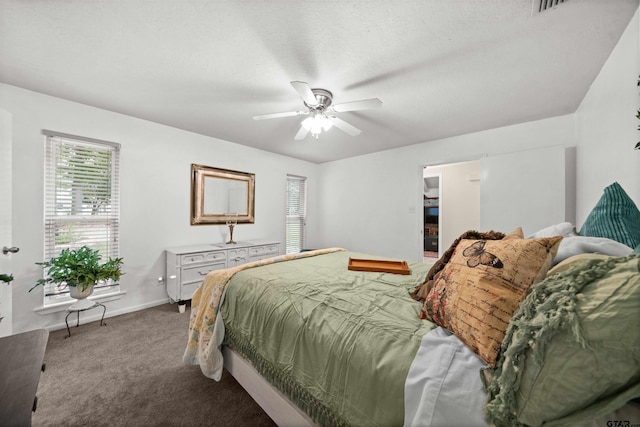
[454,202]
[431,212]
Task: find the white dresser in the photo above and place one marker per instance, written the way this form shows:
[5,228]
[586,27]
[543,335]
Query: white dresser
[187,265]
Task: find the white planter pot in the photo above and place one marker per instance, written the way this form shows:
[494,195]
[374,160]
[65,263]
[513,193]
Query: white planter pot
[77,292]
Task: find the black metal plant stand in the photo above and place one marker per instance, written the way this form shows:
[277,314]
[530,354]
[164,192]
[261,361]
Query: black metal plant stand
[72,310]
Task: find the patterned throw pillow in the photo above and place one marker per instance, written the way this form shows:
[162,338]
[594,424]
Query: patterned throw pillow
[421,291]
[478,291]
[615,217]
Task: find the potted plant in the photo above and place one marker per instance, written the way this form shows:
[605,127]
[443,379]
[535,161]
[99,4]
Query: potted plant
[80,270]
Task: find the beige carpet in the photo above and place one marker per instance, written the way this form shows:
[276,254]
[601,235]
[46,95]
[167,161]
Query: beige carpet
[130,373]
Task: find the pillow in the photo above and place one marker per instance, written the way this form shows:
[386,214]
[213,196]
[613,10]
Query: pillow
[421,291]
[570,262]
[572,349]
[563,229]
[615,216]
[477,292]
[575,245]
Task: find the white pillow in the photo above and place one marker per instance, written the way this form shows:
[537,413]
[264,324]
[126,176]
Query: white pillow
[575,245]
[563,229]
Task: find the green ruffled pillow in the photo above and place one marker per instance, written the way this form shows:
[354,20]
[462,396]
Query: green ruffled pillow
[570,354]
[615,217]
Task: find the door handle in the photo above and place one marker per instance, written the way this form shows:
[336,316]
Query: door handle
[13,250]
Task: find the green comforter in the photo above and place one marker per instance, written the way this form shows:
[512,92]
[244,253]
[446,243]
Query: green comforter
[339,343]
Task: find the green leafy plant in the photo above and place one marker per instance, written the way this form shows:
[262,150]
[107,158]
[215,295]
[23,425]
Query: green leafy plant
[80,267]
[6,278]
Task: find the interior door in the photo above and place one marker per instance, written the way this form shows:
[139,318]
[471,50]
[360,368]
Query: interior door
[5,219]
[530,189]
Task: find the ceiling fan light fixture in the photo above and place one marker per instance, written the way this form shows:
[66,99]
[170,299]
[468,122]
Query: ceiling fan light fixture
[316,123]
[319,102]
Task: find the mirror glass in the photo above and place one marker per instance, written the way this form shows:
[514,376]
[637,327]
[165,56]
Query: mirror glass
[225,195]
[218,195]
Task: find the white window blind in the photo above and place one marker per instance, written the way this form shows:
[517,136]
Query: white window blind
[81,201]
[296,213]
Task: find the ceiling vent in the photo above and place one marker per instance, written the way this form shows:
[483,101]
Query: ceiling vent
[547,4]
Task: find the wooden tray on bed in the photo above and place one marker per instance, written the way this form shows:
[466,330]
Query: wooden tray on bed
[382,266]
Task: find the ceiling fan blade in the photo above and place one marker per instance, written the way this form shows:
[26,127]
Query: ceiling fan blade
[304,90]
[276,115]
[364,104]
[344,126]
[302,133]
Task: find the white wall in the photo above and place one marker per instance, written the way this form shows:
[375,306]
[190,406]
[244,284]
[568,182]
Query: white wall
[607,127]
[377,213]
[526,189]
[155,189]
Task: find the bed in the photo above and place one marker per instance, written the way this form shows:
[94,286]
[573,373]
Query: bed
[318,344]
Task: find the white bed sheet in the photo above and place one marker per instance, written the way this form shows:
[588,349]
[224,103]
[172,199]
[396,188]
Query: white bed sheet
[443,386]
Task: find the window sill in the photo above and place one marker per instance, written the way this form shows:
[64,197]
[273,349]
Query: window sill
[62,306]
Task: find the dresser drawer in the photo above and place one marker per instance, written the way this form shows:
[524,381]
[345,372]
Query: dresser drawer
[197,273]
[217,256]
[238,254]
[264,251]
[237,257]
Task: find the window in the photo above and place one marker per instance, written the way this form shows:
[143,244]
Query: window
[81,201]
[296,213]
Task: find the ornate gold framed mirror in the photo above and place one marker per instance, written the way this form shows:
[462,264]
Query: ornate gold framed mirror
[221,195]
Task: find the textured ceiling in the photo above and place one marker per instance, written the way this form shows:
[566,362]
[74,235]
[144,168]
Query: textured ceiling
[441,68]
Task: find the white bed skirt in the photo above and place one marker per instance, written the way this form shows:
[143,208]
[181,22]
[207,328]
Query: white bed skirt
[281,410]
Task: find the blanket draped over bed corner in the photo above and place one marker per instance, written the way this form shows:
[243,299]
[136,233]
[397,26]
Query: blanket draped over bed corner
[339,343]
[206,330]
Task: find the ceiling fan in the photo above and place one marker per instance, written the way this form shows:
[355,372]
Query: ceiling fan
[320,108]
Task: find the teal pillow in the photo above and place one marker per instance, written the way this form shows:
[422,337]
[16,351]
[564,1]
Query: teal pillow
[637,250]
[615,217]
